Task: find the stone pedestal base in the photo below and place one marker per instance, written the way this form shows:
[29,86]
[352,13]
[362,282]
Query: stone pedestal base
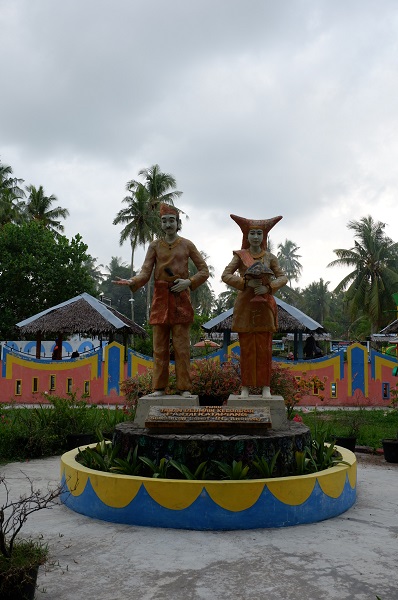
[276,404]
[145,403]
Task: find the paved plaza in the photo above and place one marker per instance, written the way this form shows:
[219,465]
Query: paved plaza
[350,557]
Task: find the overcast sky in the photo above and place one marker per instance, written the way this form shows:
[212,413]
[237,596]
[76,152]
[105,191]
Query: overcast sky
[258,108]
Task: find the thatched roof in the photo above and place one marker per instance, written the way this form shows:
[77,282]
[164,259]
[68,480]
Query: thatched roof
[82,314]
[391,328]
[290,320]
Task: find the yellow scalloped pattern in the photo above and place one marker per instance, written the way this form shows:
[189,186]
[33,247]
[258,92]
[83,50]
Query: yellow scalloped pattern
[333,484]
[235,496]
[298,490]
[119,490]
[172,493]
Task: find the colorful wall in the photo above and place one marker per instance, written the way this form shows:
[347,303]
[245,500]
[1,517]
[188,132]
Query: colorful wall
[352,378]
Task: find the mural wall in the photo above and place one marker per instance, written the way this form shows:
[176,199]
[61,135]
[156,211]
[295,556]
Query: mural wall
[357,377]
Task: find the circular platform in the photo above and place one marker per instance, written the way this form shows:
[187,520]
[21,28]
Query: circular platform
[192,449]
[209,505]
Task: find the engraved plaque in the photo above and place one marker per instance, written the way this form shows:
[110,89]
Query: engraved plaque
[209,419]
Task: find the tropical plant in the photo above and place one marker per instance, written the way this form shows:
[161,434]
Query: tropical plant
[38,207]
[141,217]
[11,194]
[237,470]
[224,301]
[95,270]
[158,469]
[264,467]
[129,465]
[318,457]
[120,296]
[202,299]
[160,186]
[100,458]
[374,276]
[199,473]
[288,260]
[316,299]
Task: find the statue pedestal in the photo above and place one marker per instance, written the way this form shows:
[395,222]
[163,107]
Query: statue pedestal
[276,404]
[146,402]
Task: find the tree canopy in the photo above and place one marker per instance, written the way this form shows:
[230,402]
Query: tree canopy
[374,279]
[38,271]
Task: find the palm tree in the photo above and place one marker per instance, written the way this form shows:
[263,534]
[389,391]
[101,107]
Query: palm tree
[288,260]
[374,278]
[140,222]
[95,271]
[224,301]
[160,186]
[202,298]
[11,207]
[38,208]
[141,217]
[316,299]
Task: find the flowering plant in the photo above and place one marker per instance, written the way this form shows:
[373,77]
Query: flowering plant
[294,388]
[211,378]
[219,380]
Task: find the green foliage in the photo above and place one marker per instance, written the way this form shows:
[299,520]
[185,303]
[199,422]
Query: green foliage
[236,471]
[288,260]
[43,431]
[19,570]
[44,270]
[199,473]
[375,424]
[120,295]
[100,458]
[158,469]
[128,466]
[373,278]
[211,378]
[264,467]
[144,345]
[220,380]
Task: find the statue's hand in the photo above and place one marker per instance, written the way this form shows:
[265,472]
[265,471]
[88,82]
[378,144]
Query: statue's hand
[180,285]
[120,281]
[260,290]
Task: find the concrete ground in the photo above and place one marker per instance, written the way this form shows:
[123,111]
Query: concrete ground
[350,557]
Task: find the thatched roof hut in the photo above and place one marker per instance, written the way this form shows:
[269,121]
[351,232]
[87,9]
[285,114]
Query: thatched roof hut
[82,314]
[290,320]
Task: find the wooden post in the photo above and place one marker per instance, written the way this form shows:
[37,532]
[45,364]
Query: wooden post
[38,345]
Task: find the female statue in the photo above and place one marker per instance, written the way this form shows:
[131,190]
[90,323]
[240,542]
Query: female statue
[256,273]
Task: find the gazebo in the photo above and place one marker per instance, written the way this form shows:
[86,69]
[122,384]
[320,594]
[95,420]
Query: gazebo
[81,314]
[290,320]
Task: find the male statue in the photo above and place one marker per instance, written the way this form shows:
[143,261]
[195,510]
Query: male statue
[171,310]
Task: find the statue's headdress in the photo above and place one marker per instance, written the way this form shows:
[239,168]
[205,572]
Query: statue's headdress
[246,224]
[167,209]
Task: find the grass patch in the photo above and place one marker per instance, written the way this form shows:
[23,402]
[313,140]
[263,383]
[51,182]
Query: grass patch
[371,425]
[42,431]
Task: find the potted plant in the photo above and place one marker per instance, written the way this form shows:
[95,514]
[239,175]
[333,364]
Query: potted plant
[213,382]
[390,445]
[20,559]
[352,423]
